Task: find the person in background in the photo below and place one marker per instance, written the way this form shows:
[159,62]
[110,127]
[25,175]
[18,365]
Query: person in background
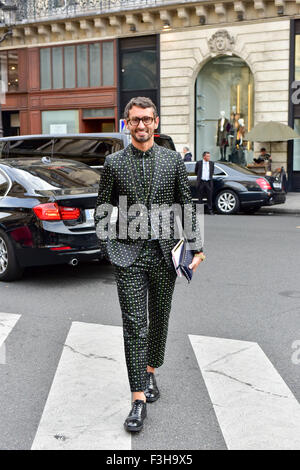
[262,157]
[204,170]
[187,156]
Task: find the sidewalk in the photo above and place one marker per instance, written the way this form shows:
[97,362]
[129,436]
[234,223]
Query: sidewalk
[291,206]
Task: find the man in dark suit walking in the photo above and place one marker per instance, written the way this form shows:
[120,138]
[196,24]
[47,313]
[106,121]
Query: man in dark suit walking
[204,170]
[147,175]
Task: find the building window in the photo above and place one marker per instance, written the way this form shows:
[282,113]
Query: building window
[60,122]
[82,66]
[139,69]
[94,64]
[9,73]
[98,113]
[57,62]
[107,64]
[297,57]
[296,155]
[69,68]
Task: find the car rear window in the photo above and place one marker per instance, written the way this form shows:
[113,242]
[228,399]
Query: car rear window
[190,167]
[164,141]
[56,176]
[90,151]
[239,168]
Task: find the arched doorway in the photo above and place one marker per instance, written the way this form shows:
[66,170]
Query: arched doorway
[224,84]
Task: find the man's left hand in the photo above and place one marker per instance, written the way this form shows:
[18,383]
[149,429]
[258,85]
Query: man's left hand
[195,263]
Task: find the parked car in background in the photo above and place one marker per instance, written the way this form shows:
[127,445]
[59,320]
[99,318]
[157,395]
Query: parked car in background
[48,191]
[46,214]
[90,149]
[238,189]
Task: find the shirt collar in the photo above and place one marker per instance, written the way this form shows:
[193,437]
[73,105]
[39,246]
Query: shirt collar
[139,153]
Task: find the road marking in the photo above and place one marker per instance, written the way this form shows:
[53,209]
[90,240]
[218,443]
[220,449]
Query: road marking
[255,408]
[7,322]
[89,398]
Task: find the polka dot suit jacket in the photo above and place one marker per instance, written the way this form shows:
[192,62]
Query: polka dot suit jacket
[169,186]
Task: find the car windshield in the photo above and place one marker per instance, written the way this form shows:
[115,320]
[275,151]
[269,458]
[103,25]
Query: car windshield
[56,176]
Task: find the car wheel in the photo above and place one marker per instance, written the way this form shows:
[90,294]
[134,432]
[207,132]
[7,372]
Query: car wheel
[227,202]
[10,269]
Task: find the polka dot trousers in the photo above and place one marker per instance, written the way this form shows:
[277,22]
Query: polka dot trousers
[147,281]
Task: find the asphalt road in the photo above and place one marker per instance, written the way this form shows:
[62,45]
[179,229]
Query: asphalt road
[248,290]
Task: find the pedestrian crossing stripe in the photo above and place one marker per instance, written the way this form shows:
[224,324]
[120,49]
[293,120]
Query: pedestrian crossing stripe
[255,408]
[7,323]
[89,397]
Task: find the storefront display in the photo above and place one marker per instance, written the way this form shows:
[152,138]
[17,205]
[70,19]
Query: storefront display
[225,83]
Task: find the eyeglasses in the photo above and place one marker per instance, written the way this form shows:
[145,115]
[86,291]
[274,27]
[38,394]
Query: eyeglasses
[147,120]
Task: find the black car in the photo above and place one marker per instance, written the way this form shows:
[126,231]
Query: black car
[46,214]
[91,149]
[238,189]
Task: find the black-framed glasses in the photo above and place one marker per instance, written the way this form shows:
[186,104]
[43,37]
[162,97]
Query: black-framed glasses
[147,120]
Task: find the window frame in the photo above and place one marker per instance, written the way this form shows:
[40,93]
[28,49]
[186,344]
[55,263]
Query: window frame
[223,175]
[6,52]
[88,43]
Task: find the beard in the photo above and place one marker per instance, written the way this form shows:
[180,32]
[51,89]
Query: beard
[142,138]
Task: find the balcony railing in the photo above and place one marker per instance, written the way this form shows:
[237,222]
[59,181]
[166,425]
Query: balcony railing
[41,10]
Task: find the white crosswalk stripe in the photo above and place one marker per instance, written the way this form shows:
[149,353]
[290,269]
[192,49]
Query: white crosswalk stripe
[254,406]
[7,323]
[89,399]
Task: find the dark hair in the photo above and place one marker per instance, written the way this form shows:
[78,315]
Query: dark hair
[262,149]
[204,153]
[141,102]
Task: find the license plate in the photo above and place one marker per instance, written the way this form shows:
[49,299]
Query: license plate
[89,214]
[277,185]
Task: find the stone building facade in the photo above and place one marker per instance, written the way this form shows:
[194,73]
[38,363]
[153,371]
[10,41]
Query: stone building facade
[263,46]
[211,56]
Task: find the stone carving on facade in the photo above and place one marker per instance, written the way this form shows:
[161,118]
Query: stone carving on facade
[221,43]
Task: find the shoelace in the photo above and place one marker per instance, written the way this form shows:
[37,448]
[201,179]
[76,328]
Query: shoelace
[151,380]
[137,408]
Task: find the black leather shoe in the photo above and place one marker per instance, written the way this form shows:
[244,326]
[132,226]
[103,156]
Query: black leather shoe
[151,392]
[135,420]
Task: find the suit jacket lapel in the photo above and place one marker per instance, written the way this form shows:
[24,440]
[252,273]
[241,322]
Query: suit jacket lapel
[211,169]
[200,170]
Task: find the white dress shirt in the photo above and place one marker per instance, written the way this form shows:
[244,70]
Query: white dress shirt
[205,171]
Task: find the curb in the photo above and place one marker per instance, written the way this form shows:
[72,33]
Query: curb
[280,211]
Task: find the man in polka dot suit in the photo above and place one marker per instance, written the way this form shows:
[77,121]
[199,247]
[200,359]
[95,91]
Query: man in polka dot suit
[146,174]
